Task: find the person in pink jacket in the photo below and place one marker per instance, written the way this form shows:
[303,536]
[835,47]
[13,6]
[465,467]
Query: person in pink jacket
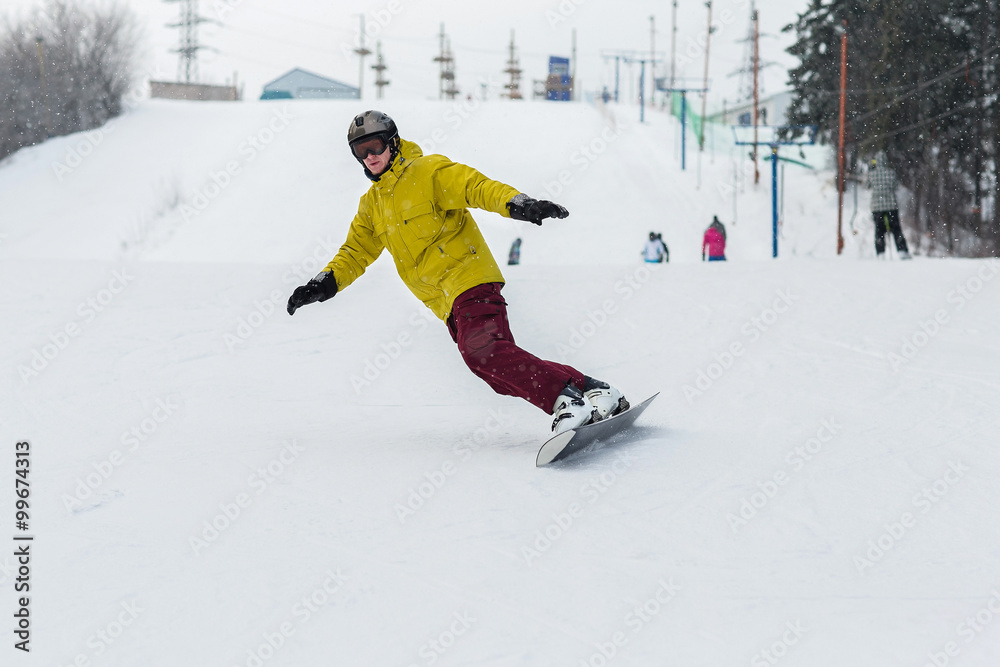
[714,242]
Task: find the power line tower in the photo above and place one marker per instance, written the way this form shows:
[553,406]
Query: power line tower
[362,52]
[187,64]
[749,70]
[446,83]
[514,70]
[380,67]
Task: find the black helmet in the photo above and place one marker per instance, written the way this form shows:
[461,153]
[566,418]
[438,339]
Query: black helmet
[371,124]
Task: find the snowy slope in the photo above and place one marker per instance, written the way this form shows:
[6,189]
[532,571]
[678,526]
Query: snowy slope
[215,483]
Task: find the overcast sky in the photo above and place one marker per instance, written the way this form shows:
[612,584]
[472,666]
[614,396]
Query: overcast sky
[261,39]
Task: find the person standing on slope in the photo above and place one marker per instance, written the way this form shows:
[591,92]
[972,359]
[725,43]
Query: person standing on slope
[514,257]
[418,208]
[882,181]
[714,242]
[652,252]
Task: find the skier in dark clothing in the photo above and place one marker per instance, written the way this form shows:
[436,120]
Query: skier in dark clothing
[885,211]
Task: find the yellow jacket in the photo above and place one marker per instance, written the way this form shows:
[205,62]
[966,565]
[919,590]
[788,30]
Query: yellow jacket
[418,209]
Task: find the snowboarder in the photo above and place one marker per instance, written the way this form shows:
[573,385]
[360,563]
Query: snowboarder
[514,257]
[882,181]
[652,252]
[714,242]
[418,208]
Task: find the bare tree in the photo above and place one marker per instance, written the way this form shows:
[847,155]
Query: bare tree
[66,68]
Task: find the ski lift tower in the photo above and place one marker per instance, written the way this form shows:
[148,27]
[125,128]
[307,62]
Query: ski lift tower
[630,57]
[683,86]
[774,136]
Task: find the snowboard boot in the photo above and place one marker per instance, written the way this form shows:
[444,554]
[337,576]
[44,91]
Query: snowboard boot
[571,410]
[605,399]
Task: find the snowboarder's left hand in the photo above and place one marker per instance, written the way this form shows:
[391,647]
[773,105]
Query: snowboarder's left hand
[523,207]
[320,288]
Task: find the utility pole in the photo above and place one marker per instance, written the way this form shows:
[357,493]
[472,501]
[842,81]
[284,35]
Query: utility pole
[380,67]
[755,18]
[451,90]
[572,73]
[45,88]
[840,144]
[652,58]
[673,45]
[630,58]
[189,46]
[362,52]
[514,70]
[704,96]
[618,63]
[446,82]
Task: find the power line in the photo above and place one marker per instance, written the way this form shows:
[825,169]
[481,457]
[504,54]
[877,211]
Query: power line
[926,84]
[946,114]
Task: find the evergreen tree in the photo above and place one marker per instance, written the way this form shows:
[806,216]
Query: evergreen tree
[921,86]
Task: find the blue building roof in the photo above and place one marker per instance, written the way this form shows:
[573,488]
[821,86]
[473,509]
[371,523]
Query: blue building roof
[301,84]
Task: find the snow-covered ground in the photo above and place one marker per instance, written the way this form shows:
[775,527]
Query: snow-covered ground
[215,483]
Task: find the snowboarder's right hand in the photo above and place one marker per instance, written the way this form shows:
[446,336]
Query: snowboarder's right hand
[320,288]
[523,207]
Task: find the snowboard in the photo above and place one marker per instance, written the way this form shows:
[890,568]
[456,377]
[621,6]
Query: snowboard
[589,437]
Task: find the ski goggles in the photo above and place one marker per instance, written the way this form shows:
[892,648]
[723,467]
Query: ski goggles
[375,145]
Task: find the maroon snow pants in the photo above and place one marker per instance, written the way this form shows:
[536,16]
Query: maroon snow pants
[478,324]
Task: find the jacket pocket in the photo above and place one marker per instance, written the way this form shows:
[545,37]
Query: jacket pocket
[420,226]
[482,323]
[422,220]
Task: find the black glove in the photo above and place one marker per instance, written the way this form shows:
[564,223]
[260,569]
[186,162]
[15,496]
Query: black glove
[320,288]
[523,207]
